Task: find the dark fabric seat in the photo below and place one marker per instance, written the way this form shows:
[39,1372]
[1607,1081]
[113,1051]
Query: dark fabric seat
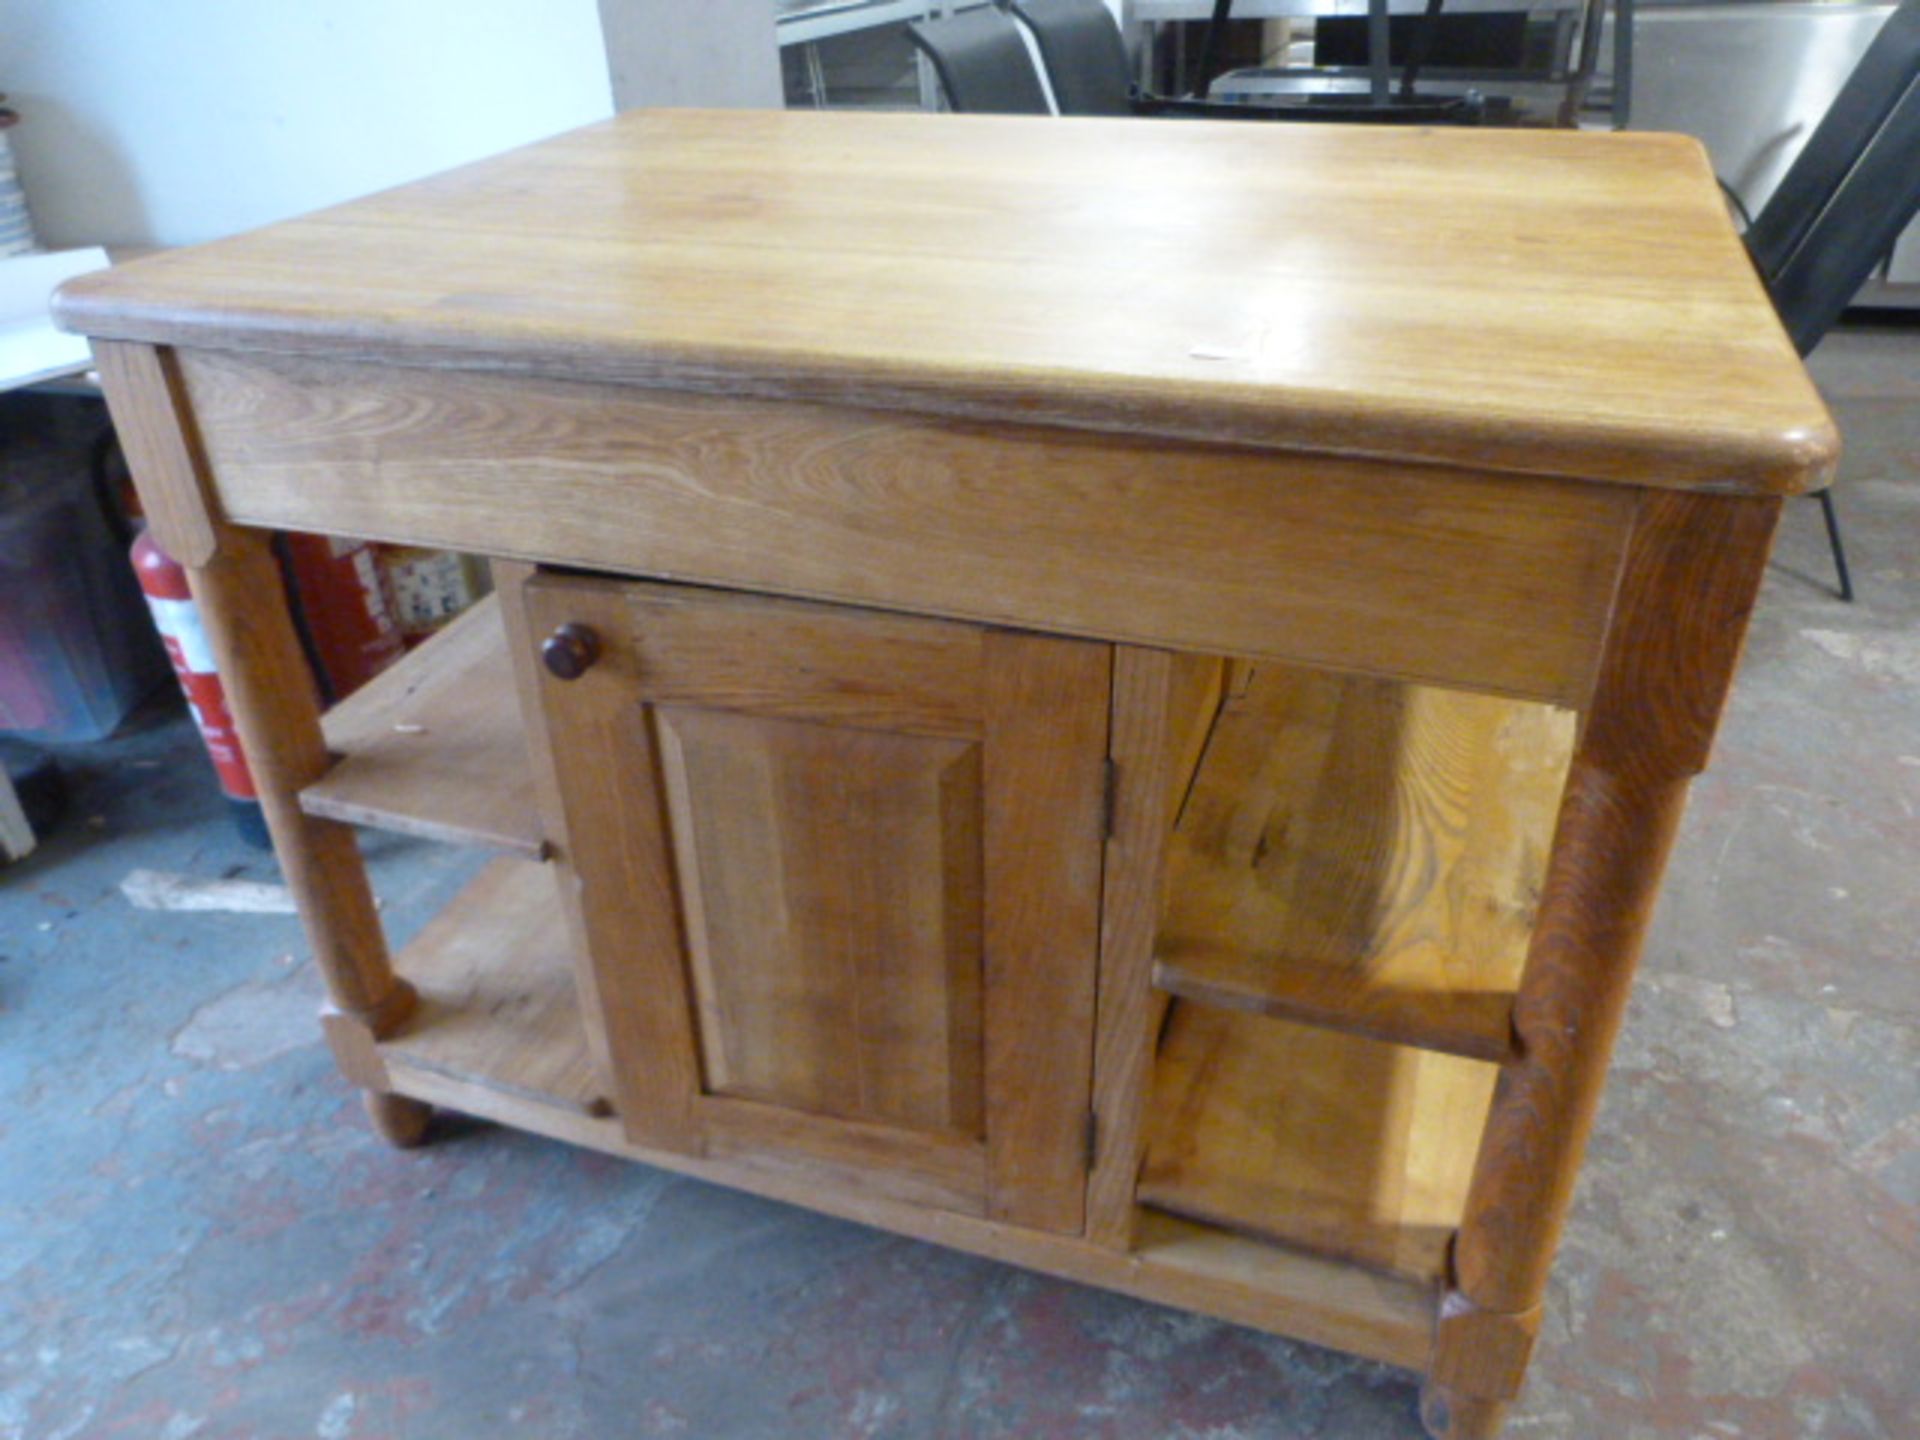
[1085,56]
[983,63]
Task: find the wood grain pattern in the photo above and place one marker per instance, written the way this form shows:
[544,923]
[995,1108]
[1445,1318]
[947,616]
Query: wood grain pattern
[1046,702]
[919,1167]
[1365,855]
[831,880]
[619,855]
[1690,580]
[1688,586]
[1199,686]
[751,653]
[497,1005]
[509,581]
[434,747]
[1482,1353]
[143,391]
[270,690]
[1345,1146]
[1567,303]
[1053,530]
[1163,709]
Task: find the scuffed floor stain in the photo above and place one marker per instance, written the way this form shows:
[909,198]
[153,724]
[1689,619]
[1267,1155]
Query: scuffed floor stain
[252,1023]
[1884,657]
[200,1239]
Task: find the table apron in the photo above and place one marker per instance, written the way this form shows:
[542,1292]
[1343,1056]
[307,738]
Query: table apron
[1485,581]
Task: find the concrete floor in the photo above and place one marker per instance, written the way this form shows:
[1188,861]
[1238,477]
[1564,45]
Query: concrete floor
[199,1235]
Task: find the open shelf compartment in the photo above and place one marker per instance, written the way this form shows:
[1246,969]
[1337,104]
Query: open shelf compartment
[434,746]
[498,1005]
[1349,1148]
[1364,854]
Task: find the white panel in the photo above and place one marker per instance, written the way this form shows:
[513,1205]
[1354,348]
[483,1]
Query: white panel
[1906,258]
[673,52]
[1749,81]
[169,123]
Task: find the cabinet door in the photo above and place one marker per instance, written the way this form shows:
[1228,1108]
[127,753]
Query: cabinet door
[839,874]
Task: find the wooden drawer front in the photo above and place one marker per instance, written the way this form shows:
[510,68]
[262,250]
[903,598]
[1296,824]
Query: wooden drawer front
[839,873]
[1489,582]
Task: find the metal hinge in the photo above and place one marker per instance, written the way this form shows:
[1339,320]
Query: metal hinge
[1110,798]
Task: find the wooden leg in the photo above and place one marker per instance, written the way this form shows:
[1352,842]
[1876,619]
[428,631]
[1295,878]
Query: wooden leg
[1690,578]
[242,605]
[401,1122]
[1451,1416]
[1608,855]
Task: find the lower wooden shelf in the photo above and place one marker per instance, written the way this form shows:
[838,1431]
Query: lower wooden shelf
[499,1035]
[498,1007]
[434,746]
[1349,1147]
[1174,1262]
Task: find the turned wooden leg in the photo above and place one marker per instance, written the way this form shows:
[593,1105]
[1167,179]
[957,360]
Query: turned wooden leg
[270,690]
[241,599]
[1609,850]
[401,1122]
[1448,1415]
[1690,577]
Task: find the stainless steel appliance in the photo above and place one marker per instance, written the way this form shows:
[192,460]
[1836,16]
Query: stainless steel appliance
[1751,81]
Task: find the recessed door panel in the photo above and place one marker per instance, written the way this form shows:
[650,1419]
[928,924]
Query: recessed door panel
[830,881]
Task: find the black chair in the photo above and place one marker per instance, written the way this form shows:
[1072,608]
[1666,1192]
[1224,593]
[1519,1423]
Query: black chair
[1085,56]
[982,61]
[1843,203]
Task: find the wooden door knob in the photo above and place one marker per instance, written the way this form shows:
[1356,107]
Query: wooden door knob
[570,651]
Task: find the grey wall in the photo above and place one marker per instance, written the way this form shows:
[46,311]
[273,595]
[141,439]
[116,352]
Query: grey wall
[692,52]
[148,123]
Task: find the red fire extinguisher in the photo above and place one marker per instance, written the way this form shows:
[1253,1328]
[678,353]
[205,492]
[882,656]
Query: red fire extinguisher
[342,610]
[164,581]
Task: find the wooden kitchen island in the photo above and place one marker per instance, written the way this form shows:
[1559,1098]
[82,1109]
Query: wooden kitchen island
[1111,694]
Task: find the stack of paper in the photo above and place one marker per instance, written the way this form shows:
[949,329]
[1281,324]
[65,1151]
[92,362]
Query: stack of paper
[30,348]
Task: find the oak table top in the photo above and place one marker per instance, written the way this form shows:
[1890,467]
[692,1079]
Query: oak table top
[1546,303]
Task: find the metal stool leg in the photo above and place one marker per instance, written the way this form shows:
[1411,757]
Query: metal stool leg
[1839,549]
[1622,63]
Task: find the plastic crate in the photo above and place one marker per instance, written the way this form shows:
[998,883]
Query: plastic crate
[77,648]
